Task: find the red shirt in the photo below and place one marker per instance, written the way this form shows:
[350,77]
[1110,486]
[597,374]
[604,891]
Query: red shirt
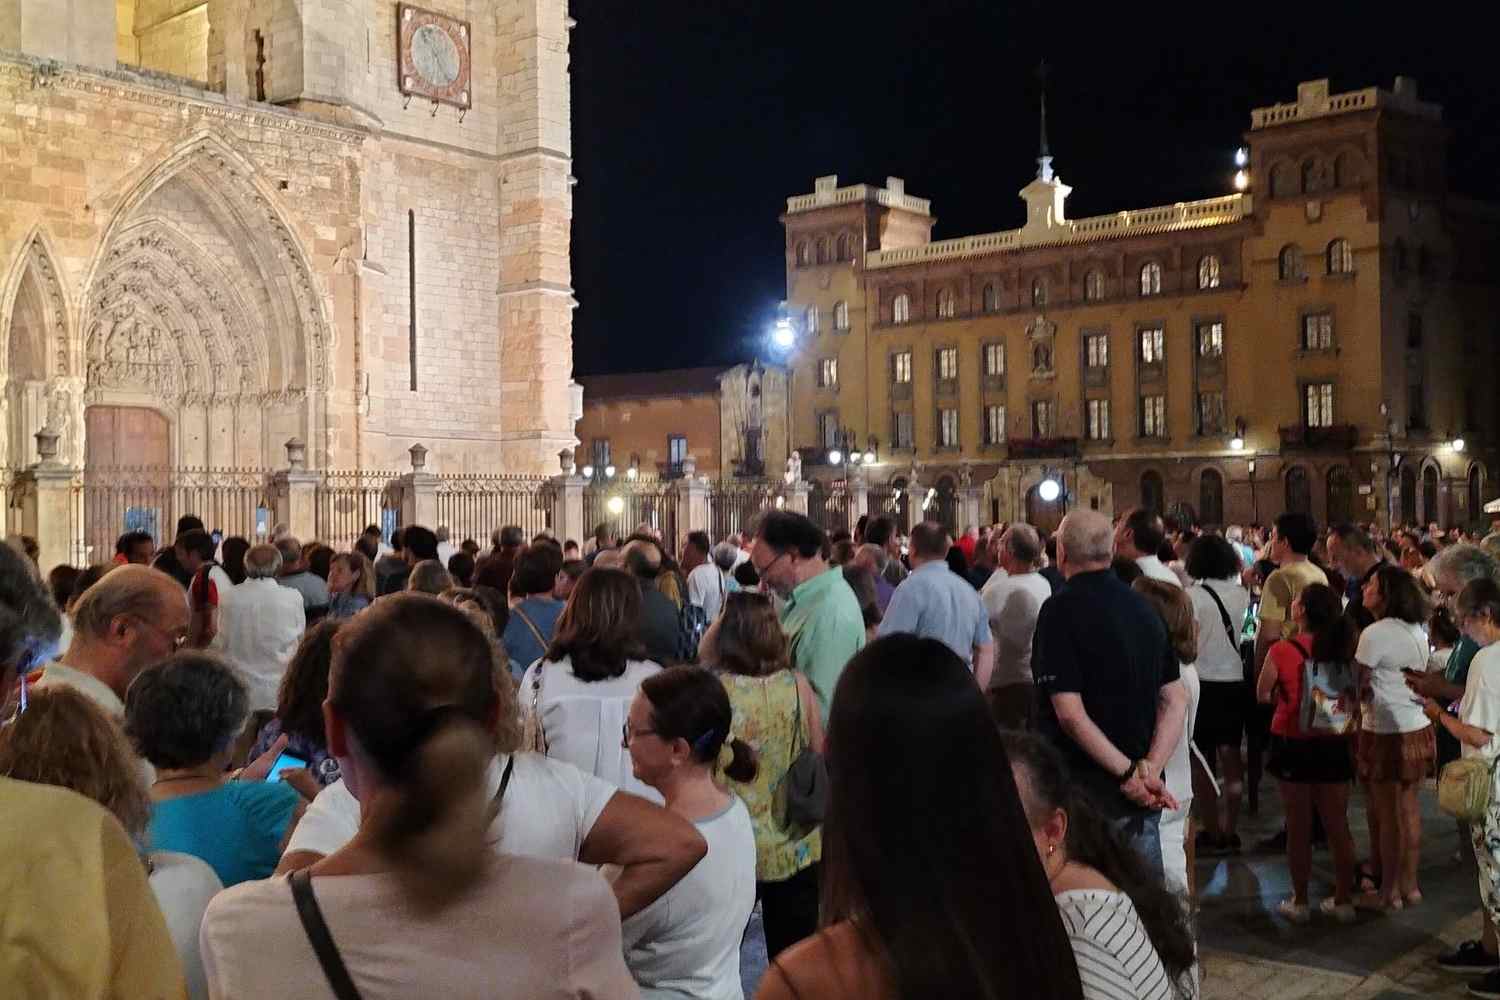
[966,544]
[1284,722]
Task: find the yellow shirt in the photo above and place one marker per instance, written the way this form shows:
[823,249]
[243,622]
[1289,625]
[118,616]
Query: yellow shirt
[77,917]
[1282,587]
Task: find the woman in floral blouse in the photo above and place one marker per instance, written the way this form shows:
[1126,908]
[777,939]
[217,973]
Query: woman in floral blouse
[775,712]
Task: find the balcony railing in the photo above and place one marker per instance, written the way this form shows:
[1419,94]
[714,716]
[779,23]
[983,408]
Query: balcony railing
[1337,437]
[1052,447]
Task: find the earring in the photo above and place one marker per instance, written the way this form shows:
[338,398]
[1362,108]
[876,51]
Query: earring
[1051,850]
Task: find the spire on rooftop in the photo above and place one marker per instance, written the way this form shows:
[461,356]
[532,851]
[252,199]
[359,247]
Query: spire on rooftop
[1044,160]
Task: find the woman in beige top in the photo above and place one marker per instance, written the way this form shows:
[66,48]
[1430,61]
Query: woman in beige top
[417,903]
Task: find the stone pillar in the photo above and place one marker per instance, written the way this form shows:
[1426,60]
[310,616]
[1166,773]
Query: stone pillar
[970,499]
[294,491]
[916,505]
[567,500]
[418,492]
[859,497]
[796,496]
[692,500]
[47,508]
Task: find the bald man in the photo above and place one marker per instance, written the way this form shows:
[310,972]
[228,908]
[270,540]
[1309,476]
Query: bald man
[132,618]
[1108,684]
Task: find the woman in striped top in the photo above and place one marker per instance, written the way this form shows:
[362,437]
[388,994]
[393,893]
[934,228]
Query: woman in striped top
[1130,934]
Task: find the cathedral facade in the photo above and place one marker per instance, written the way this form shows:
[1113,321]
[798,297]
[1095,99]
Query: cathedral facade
[230,224]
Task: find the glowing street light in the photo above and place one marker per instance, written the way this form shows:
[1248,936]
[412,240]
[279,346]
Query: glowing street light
[1241,156]
[632,472]
[609,472]
[835,457]
[587,472]
[1458,444]
[1049,490]
[783,336]
[615,505]
[1241,180]
[1237,443]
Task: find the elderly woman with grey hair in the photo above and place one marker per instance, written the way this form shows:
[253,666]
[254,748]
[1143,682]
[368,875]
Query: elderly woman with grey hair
[184,715]
[260,625]
[1453,569]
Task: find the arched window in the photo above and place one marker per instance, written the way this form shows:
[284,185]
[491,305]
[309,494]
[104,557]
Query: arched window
[990,299]
[1151,278]
[947,303]
[1340,257]
[1281,181]
[1211,497]
[1343,170]
[1408,495]
[822,250]
[1153,494]
[1476,491]
[843,246]
[1093,286]
[1289,264]
[901,309]
[841,315]
[1430,495]
[1208,271]
[1039,293]
[812,319]
[1340,496]
[803,254]
[1312,177]
[1298,491]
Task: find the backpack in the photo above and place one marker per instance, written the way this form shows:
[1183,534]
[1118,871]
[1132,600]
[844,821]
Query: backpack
[1330,697]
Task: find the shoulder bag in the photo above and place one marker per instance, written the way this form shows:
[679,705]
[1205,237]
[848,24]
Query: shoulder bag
[1465,787]
[320,937]
[1247,663]
[803,791]
[526,620]
[534,737]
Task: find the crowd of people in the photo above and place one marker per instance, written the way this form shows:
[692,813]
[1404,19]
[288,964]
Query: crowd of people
[548,768]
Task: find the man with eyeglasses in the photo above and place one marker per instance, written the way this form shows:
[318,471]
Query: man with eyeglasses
[132,618]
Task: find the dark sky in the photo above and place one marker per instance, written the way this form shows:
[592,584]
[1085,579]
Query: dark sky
[694,120]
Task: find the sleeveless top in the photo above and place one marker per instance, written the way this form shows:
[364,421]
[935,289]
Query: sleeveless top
[765,716]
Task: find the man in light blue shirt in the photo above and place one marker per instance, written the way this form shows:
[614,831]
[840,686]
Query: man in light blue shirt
[937,603]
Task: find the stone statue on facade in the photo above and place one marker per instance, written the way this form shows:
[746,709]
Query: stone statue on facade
[793,469]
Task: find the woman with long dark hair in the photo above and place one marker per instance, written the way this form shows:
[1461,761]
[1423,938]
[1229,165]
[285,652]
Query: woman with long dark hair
[299,705]
[928,855]
[1312,771]
[1129,933]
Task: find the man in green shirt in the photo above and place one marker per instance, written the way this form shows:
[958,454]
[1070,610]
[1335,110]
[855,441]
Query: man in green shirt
[821,617]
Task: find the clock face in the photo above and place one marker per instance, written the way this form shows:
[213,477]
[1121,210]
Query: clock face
[434,56]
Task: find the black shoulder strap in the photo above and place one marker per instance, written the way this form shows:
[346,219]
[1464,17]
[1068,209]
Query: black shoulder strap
[1224,615]
[319,937]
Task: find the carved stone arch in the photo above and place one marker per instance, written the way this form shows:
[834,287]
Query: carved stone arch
[47,303]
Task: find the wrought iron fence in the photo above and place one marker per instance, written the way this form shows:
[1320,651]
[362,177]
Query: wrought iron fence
[887,501]
[110,501]
[626,505]
[473,506]
[345,502]
[734,504]
[828,506]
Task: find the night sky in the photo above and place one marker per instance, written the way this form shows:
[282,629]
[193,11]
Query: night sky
[694,120]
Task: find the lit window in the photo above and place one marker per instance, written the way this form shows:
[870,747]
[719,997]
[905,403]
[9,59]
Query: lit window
[994,359]
[1041,418]
[828,373]
[901,367]
[1289,264]
[901,430]
[1340,257]
[1210,340]
[1151,279]
[1038,293]
[803,256]
[948,363]
[947,428]
[1096,350]
[841,315]
[812,319]
[1317,332]
[1318,404]
[991,299]
[1208,272]
[1153,346]
[1093,286]
[1098,420]
[828,429]
[599,447]
[1153,416]
[1210,413]
[901,309]
[676,449]
[994,424]
[947,304]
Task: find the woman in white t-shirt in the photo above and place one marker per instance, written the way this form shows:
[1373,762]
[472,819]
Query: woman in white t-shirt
[411,697]
[1396,743]
[1476,727]
[687,943]
[575,698]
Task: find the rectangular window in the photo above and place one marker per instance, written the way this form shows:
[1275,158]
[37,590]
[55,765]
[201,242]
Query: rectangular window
[1210,340]
[600,449]
[828,429]
[994,359]
[1210,413]
[1153,346]
[947,366]
[676,449]
[1041,418]
[1317,332]
[1153,416]
[947,428]
[1318,405]
[901,430]
[1098,420]
[828,373]
[901,367]
[1096,347]
[994,424]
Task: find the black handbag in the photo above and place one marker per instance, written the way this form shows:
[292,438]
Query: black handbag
[321,938]
[804,788]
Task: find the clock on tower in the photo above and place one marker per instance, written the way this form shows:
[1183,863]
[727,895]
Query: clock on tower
[432,56]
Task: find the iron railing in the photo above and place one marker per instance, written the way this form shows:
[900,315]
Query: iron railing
[473,506]
[110,501]
[828,506]
[733,505]
[345,502]
[627,505]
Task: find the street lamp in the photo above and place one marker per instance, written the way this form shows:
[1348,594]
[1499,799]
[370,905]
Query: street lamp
[835,457]
[609,472]
[1457,444]
[1237,443]
[587,472]
[782,335]
[1049,490]
[615,505]
[1254,500]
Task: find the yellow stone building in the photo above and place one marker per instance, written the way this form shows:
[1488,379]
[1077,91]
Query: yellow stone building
[1323,339]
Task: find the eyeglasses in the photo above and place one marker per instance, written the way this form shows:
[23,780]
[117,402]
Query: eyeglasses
[177,638]
[626,735]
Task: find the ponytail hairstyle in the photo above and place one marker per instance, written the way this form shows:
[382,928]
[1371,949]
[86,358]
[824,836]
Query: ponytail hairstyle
[1334,634]
[1042,779]
[690,704]
[413,680]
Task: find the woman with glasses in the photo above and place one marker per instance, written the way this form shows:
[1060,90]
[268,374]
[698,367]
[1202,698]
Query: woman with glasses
[574,700]
[184,716]
[680,736]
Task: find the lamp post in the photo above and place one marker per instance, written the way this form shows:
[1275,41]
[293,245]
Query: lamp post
[1254,500]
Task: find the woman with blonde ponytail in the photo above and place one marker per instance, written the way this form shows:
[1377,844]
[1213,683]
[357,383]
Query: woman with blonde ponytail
[679,734]
[418,901]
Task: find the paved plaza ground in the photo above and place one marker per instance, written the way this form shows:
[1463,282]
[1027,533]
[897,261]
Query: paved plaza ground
[1250,953]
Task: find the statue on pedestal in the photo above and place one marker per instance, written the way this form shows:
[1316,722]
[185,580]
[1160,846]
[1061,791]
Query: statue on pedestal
[793,469]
